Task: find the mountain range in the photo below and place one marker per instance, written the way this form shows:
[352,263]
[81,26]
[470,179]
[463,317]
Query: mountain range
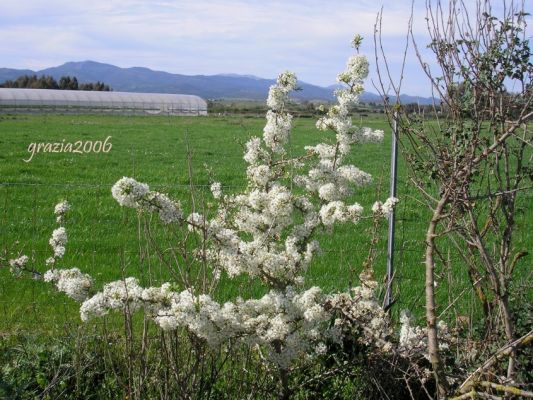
[222,86]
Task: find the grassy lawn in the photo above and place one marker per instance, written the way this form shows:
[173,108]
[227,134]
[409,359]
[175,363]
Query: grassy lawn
[103,238]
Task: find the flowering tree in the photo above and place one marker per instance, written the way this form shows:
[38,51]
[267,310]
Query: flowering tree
[267,232]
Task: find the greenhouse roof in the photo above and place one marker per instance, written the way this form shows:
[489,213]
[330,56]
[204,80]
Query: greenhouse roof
[156,102]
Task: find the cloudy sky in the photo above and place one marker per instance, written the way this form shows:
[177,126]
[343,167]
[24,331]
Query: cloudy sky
[257,37]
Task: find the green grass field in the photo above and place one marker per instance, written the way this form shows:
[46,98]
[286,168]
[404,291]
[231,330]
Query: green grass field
[103,238]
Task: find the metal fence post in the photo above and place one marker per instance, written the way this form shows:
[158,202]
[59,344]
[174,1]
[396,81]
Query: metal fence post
[390,244]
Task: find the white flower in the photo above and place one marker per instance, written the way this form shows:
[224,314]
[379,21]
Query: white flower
[338,211]
[287,80]
[276,131]
[357,67]
[18,264]
[276,98]
[216,190]
[384,209]
[259,175]
[58,241]
[277,95]
[354,175]
[328,192]
[167,322]
[94,307]
[122,293]
[60,210]
[267,232]
[51,275]
[322,150]
[72,282]
[253,152]
[128,192]
[321,349]
[196,222]
[59,251]
[119,295]
[169,211]
[59,237]
[354,212]
[369,135]
[389,204]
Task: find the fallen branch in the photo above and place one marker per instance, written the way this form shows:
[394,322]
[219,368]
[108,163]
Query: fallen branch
[508,389]
[499,355]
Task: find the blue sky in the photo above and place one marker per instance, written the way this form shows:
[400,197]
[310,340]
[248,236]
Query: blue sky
[262,38]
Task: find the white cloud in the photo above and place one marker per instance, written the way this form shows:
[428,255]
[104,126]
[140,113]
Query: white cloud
[203,37]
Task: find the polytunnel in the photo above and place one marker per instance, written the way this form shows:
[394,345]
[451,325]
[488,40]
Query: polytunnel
[79,101]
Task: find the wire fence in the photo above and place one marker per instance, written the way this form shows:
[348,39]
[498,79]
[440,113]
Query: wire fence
[104,239]
[99,238]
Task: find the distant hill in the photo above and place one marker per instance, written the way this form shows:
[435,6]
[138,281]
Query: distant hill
[145,80]
[12,74]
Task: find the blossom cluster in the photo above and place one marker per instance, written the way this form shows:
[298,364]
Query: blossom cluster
[18,265]
[58,241]
[286,322]
[60,211]
[59,237]
[216,190]
[413,339]
[384,209]
[118,295]
[279,92]
[360,316]
[330,179]
[130,193]
[74,283]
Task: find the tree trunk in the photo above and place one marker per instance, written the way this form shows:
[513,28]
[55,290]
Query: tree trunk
[431,318]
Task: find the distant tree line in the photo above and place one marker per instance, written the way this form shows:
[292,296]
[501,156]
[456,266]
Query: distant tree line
[48,82]
[310,108]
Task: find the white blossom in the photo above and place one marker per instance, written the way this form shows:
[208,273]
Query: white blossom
[196,222]
[18,264]
[322,150]
[72,282]
[125,294]
[60,210]
[338,211]
[93,307]
[360,316]
[384,209]
[254,153]
[356,69]
[277,95]
[130,193]
[259,175]
[216,190]
[413,339]
[276,131]
[58,241]
[169,211]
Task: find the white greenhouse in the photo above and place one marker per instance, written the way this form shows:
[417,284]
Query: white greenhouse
[79,101]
